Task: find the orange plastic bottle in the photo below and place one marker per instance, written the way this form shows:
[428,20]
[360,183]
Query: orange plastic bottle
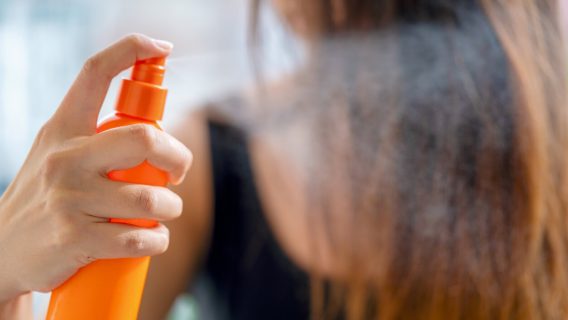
[112,289]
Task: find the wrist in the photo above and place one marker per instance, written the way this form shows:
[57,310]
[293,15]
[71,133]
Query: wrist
[10,287]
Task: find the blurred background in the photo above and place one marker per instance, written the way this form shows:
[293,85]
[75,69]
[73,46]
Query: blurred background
[43,44]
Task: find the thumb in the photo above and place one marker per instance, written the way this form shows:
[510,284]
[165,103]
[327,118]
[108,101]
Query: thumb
[79,111]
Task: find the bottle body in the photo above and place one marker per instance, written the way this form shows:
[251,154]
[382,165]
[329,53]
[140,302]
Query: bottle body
[110,289]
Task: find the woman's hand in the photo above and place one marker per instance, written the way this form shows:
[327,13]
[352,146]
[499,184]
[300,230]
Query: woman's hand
[54,215]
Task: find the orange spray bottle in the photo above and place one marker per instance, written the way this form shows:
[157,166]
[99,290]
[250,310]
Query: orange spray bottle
[112,289]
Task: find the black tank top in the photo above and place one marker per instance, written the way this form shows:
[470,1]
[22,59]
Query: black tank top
[246,274]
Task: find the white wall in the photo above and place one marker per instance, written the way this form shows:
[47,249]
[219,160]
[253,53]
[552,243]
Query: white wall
[43,44]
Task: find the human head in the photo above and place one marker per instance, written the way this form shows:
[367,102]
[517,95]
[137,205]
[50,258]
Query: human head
[451,168]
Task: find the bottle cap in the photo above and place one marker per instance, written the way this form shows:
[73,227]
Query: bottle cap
[142,96]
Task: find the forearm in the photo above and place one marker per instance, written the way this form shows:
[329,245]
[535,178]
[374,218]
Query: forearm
[17,308]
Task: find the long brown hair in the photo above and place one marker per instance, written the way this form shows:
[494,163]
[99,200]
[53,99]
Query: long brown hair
[451,167]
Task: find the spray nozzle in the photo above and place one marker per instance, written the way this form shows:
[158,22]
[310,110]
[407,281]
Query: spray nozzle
[142,95]
[149,71]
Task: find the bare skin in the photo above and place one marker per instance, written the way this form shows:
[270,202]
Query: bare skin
[282,197]
[67,140]
[67,200]
[54,215]
[280,191]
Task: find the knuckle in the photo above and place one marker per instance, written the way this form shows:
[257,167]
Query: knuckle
[135,39]
[44,134]
[145,134]
[64,233]
[146,200]
[92,65]
[134,243]
[53,165]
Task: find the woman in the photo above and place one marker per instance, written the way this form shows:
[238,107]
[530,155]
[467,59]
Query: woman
[413,169]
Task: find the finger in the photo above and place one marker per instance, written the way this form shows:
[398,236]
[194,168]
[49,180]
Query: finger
[79,110]
[113,199]
[115,240]
[126,147]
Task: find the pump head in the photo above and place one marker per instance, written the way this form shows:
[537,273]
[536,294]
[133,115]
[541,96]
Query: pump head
[142,96]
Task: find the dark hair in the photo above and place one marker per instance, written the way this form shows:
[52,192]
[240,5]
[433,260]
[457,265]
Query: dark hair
[450,165]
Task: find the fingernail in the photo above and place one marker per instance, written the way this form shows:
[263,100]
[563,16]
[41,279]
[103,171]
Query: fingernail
[164,45]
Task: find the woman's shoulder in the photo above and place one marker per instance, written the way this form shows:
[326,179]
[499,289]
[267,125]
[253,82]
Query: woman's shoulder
[197,129]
